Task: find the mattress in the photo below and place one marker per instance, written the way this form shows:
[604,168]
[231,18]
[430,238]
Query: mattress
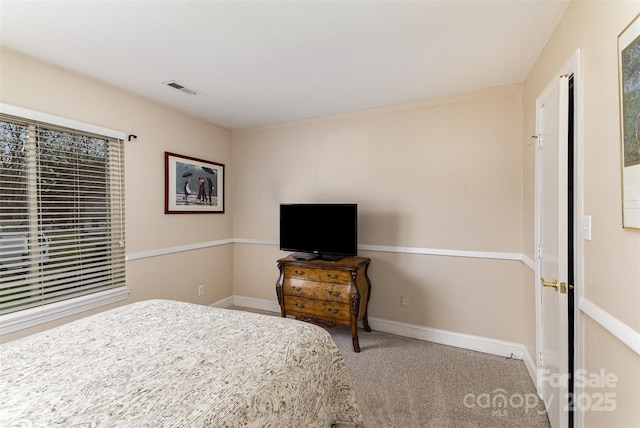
[162,363]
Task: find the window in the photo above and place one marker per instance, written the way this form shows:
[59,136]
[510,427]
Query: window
[61,218]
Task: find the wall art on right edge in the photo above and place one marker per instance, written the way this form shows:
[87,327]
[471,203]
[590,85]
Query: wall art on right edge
[629,82]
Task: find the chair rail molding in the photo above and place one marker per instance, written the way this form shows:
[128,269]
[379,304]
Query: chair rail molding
[497,255]
[613,325]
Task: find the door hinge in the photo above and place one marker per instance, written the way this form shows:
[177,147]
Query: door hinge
[539,251]
[540,360]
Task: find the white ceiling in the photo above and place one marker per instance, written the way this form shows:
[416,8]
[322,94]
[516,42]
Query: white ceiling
[261,62]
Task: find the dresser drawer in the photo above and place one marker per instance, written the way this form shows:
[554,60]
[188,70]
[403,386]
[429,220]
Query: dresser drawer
[324,275]
[325,292]
[332,311]
[316,290]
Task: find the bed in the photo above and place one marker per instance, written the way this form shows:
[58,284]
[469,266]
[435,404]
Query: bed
[162,363]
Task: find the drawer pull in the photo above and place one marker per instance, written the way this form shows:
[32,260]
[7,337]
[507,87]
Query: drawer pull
[334,293]
[333,310]
[296,287]
[298,272]
[332,275]
[299,305]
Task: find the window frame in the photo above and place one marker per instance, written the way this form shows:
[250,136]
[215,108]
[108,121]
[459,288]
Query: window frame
[35,316]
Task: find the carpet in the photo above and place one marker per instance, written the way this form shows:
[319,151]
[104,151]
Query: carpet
[409,383]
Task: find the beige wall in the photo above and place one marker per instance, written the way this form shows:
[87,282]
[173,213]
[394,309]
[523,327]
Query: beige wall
[31,84]
[612,257]
[454,174]
[435,174]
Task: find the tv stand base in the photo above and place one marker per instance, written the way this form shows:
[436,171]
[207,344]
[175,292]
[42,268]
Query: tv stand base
[313,256]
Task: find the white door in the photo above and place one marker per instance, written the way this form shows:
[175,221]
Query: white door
[552,241]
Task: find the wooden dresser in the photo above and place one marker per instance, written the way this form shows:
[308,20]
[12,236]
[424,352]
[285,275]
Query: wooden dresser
[326,293]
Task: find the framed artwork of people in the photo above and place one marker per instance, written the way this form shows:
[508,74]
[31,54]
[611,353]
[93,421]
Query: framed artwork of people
[192,185]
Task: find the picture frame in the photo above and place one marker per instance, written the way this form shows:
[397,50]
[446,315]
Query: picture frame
[629,86]
[192,185]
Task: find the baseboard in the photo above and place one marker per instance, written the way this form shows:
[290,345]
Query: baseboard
[224,303]
[443,337]
[450,338]
[530,365]
[458,340]
[253,303]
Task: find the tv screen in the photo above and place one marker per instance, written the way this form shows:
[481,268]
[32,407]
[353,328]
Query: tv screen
[319,231]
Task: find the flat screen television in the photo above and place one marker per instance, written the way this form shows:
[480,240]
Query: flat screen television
[319,231]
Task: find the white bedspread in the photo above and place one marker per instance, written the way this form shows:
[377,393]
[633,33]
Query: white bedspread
[172,364]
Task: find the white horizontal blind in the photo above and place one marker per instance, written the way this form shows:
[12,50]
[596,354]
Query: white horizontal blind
[61,214]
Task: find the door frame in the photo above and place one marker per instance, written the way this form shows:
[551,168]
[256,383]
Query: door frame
[572,67]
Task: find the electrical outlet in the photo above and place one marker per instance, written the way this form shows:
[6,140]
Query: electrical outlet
[200,289]
[404,301]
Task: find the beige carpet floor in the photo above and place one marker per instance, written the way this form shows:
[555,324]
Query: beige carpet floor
[406,383]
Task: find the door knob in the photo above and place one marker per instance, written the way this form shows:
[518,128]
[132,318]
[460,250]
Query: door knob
[553,284]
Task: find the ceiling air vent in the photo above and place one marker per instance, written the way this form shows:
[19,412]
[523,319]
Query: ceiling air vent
[179,87]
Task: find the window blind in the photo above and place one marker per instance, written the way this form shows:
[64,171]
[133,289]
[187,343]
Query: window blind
[61,214]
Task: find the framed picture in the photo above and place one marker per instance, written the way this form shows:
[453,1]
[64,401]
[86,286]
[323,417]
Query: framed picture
[192,185]
[629,82]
